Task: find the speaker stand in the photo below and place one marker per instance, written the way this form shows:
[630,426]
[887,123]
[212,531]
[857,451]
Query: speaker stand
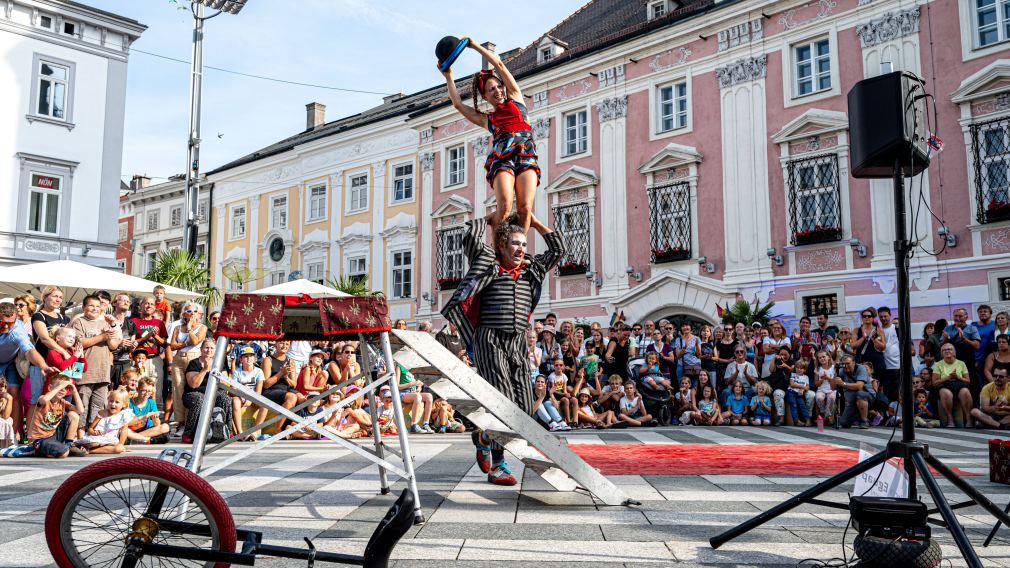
[915,454]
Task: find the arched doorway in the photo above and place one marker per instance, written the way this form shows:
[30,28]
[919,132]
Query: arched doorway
[679,318]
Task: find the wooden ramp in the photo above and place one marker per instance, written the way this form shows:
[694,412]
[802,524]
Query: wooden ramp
[520,434]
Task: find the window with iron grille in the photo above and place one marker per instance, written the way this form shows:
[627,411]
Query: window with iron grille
[670,222]
[572,221]
[823,303]
[990,149]
[814,200]
[450,261]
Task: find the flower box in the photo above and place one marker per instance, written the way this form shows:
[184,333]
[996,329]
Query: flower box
[818,234]
[997,211]
[572,268]
[670,254]
[448,283]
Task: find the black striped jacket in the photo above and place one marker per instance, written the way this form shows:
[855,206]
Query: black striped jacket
[494,299]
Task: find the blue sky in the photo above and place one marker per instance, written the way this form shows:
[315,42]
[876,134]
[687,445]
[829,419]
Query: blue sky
[385,46]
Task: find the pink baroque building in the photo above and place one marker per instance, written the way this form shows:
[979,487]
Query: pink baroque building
[695,152]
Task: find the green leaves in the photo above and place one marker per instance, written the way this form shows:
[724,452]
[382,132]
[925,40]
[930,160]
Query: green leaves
[353,285]
[747,313]
[183,270]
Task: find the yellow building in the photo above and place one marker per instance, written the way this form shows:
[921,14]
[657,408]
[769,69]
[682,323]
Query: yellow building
[337,200]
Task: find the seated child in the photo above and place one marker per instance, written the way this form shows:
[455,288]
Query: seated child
[682,403]
[445,418]
[796,395]
[6,407]
[249,375]
[148,427]
[632,409]
[108,432]
[589,417]
[545,405]
[708,413]
[761,405]
[590,362]
[562,391]
[312,379]
[650,374]
[351,422]
[387,423]
[736,406]
[924,414]
[53,427]
[610,394]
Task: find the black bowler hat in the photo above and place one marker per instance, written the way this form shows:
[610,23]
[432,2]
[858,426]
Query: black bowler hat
[448,49]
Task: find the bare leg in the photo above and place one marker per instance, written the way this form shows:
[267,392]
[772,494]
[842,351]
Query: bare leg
[504,193]
[16,413]
[984,418]
[526,190]
[964,398]
[428,401]
[947,403]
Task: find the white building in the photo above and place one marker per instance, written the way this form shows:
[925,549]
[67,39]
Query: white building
[152,218]
[62,106]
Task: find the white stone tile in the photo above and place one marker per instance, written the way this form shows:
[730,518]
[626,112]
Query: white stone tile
[594,551]
[583,515]
[736,479]
[725,496]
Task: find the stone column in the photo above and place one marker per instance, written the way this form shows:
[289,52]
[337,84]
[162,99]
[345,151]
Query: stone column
[425,230]
[746,210]
[613,181]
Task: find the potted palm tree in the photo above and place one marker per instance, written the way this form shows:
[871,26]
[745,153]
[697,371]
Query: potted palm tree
[183,270]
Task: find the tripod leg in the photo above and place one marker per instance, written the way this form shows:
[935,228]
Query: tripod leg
[970,491]
[995,528]
[955,528]
[798,499]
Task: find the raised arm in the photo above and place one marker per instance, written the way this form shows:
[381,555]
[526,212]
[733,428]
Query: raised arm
[468,112]
[511,87]
[473,240]
[555,245]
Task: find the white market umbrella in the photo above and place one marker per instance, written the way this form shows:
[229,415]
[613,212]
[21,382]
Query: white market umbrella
[301,287]
[78,280]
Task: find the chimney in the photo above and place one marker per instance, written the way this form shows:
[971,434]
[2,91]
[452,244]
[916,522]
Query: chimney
[490,47]
[391,98]
[139,182]
[315,115]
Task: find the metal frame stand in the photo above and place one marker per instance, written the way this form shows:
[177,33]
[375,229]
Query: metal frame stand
[374,382]
[915,454]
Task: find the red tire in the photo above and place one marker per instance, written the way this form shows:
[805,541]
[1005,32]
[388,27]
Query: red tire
[71,504]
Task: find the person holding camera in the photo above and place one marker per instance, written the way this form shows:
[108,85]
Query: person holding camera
[779,373]
[870,343]
[853,381]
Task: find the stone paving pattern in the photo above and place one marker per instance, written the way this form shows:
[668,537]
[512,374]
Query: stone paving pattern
[293,490]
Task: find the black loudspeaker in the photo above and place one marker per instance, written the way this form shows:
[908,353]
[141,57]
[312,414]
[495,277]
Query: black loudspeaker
[887,125]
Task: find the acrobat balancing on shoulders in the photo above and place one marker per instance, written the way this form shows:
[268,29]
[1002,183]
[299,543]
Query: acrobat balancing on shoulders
[491,308]
[511,165]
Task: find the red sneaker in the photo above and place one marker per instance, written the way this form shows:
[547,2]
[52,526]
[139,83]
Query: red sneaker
[501,475]
[187,439]
[483,459]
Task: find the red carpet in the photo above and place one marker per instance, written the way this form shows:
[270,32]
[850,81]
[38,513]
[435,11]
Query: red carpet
[711,459]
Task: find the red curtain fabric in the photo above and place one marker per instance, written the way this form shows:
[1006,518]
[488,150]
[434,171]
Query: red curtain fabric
[342,316]
[252,316]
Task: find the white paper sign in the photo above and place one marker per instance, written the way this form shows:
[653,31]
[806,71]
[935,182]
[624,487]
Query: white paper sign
[892,481]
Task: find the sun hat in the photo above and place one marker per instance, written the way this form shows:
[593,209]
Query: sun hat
[549,329]
[585,391]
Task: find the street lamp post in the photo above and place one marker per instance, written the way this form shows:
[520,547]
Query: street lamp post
[189,236]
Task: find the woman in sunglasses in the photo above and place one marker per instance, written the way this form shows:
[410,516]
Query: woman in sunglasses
[184,343]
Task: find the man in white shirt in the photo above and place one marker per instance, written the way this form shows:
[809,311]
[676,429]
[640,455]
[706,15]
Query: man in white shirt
[890,375]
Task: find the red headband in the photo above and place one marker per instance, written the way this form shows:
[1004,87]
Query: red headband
[482,78]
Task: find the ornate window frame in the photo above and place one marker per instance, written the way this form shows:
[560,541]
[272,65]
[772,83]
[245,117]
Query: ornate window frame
[676,163]
[576,186]
[449,216]
[814,133]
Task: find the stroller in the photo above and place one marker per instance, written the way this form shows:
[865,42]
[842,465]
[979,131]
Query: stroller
[657,402]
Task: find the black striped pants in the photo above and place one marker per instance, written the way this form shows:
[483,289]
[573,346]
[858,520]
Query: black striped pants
[501,359]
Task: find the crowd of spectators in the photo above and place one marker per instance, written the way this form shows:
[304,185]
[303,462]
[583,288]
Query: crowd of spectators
[125,370]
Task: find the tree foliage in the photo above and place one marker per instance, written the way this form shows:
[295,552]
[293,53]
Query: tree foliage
[748,313]
[183,270]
